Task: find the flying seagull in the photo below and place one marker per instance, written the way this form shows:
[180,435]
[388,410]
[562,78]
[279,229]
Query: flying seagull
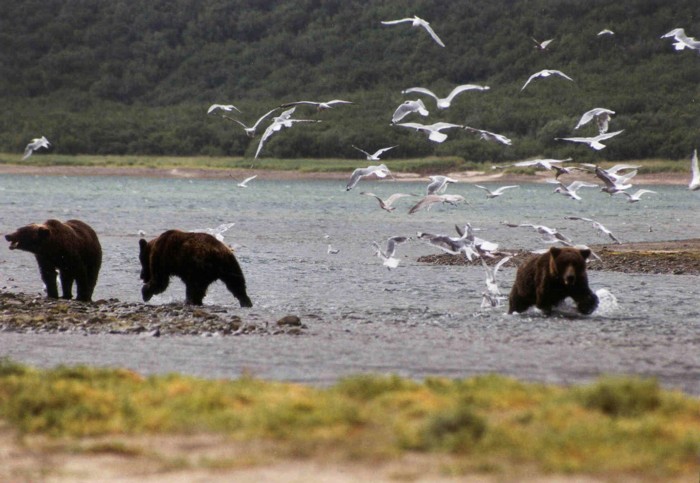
[380,171]
[217,232]
[633,197]
[545,73]
[223,107]
[541,45]
[682,41]
[429,200]
[444,102]
[406,108]
[417,22]
[541,163]
[605,32]
[451,245]
[593,142]
[548,234]
[598,226]
[483,246]
[572,189]
[250,131]
[694,184]
[244,183]
[497,192]
[493,296]
[433,130]
[388,256]
[601,116]
[438,184]
[376,154]
[386,204]
[321,106]
[35,144]
[279,122]
[614,182]
[489,136]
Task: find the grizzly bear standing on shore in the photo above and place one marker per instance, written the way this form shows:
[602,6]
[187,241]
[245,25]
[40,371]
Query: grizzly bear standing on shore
[546,280]
[197,258]
[72,248]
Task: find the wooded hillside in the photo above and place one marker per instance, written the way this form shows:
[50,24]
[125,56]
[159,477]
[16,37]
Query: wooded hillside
[116,76]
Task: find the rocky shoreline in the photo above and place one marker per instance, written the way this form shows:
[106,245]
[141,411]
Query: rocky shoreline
[37,314]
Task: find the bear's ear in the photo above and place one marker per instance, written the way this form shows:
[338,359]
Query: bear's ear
[553,254]
[142,244]
[585,253]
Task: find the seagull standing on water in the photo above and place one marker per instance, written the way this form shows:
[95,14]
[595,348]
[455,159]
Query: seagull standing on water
[445,102]
[593,142]
[417,22]
[388,256]
[433,130]
[35,144]
[374,156]
[545,73]
[694,184]
[406,108]
[601,116]
[380,171]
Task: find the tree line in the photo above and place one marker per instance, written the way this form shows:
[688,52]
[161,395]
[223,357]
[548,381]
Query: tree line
[125,77]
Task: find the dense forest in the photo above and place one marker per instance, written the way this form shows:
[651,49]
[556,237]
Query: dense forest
[137,77]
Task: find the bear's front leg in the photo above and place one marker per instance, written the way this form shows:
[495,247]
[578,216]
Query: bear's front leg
[48,276]
[66,285]
[586,301]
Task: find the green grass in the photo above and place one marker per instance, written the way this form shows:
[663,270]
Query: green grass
[614,426]
[429,165]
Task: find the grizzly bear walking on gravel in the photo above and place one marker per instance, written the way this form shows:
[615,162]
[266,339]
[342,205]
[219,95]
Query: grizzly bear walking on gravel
[546,280]
[197,258]
[72,248]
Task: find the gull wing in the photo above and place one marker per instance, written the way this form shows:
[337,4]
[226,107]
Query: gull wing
[421,90]
[379,152]
[430,30]
[394,22]
[465,87]
[695,172]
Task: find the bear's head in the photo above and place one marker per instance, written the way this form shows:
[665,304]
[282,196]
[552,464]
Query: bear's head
[568,264]
[29,238]
[145,259]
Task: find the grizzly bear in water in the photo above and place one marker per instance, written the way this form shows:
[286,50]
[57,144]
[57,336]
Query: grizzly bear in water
[72,248]
[546,280]
[197,258]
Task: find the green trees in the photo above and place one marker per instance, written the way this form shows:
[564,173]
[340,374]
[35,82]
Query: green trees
[136,77]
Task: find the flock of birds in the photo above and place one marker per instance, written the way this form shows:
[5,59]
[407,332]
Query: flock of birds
[616,180]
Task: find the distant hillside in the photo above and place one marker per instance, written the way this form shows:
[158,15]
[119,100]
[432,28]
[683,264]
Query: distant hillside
[137,76]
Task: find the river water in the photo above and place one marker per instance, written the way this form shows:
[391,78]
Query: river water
[416,320]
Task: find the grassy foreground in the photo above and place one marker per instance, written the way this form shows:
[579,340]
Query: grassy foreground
[492,424]
[421,165]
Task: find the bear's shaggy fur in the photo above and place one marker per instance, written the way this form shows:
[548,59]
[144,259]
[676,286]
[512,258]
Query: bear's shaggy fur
[197,258]
[72,248]
[546,280]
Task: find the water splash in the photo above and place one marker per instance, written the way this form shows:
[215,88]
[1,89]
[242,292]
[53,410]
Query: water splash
[607,302]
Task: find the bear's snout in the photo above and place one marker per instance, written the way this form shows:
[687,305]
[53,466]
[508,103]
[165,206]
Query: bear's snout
[569,275]
[13,243]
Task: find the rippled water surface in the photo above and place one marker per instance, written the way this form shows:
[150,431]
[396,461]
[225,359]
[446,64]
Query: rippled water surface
[416,320]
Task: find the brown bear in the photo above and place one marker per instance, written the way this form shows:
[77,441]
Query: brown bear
[72,248]
[197,258]
[547,279]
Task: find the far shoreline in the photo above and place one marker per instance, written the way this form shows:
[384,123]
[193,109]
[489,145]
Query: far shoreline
[470,176]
